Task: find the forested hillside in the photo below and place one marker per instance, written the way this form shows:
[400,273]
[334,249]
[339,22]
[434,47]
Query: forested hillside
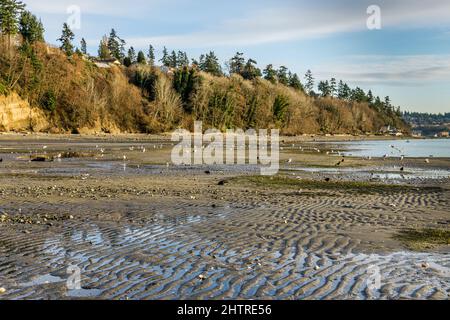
[121,90]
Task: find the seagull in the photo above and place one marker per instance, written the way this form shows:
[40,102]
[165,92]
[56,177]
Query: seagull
[427,160]
[124,157]
[289,161]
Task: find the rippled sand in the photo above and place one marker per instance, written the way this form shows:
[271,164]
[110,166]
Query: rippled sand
[138,229]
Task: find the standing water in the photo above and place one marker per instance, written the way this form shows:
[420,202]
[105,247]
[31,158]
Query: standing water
[438,148]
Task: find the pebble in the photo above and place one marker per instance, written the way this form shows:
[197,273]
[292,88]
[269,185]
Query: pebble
[2,290]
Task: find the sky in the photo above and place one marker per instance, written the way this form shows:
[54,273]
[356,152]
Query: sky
[404,54]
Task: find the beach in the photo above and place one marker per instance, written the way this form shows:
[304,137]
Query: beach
[138,227]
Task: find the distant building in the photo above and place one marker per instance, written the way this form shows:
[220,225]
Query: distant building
[106,63]
[166,70]
[416,133]
[443,134]
[390,130]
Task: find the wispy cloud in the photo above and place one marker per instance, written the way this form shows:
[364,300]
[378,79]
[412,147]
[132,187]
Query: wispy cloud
[113,8]
[415,70]
[272,21]
[301,21]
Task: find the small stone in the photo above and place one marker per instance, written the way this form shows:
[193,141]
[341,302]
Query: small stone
[2,290]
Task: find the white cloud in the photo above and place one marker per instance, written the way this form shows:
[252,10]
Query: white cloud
[98,7]
[277,21]
[301,21]
[410,70]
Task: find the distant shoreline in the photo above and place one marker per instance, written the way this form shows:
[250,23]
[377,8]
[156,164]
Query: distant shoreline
[167,136]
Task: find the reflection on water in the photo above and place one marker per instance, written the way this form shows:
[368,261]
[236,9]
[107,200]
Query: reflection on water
[127,257]
[439,148]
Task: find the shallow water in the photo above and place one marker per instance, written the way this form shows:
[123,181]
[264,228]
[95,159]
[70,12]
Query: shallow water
[149,261]
[382,173]
[438,148]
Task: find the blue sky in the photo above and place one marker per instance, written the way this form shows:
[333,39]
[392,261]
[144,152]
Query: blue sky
[407,59]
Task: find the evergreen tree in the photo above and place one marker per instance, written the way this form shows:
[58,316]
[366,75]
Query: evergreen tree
[237,63]
[10,12]
[358,95]
[116,45]
[182,59]
[324,88]
[132,55]
[66,40]
[31,28]
[127,62]
[378,104]
[141,58]
[165,58]
[294,82]
[270,74]
[210,63]
[282,75]
[333,87]
[309,84]
[250,71]
[370,97]
[173,59]
[83,46]
[343,91]
[103,49]
[387,103]
[340,90]
[151,56]
[185,82]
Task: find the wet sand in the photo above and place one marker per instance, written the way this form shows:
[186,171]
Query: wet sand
[139,229]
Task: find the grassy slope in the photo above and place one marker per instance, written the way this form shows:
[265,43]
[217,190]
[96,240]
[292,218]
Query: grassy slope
[76,96]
